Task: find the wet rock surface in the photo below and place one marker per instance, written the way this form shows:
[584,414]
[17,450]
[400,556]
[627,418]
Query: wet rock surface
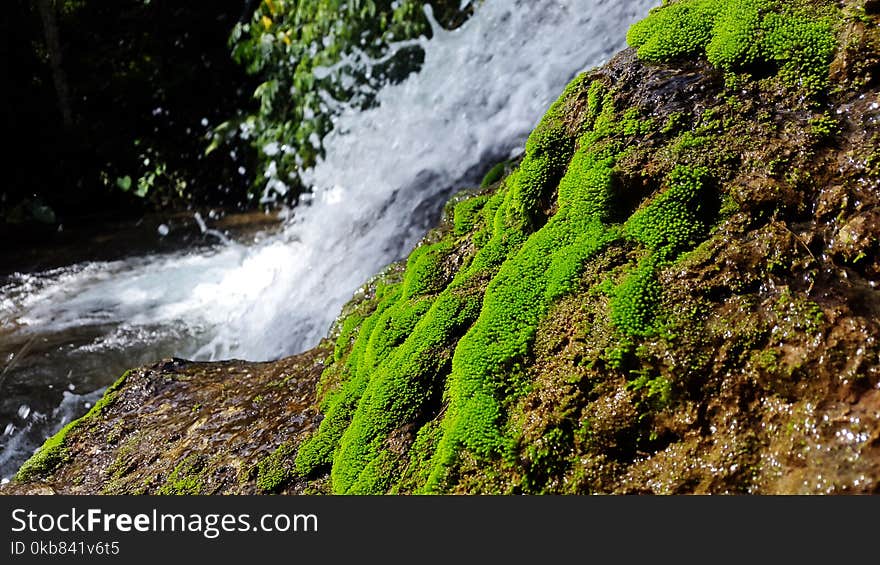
[181,427]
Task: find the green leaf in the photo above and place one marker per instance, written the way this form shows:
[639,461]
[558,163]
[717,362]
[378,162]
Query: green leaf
[143,187]
[124,183]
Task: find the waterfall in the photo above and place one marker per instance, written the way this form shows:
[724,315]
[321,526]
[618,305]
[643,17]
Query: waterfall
[387,171]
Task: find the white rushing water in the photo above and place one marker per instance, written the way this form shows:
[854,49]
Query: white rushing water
[481,90]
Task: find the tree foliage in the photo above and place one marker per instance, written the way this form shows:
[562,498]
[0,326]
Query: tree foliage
[145,80]
[314,57]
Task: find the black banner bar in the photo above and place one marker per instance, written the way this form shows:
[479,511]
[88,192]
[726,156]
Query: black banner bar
[110,529]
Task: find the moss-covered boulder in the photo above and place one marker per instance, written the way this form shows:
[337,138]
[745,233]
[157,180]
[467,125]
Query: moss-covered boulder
[674,290]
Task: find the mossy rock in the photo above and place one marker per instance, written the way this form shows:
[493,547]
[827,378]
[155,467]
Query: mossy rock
[672,291]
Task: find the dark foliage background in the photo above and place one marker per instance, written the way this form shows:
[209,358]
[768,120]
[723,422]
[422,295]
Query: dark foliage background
[146,80]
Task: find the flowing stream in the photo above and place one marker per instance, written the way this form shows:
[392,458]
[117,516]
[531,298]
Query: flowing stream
[66,334]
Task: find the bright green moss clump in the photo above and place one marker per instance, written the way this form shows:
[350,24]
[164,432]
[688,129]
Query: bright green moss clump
[389,372]
[737,34]
[467,213]
[486,367]
[673,221]
[398,388]
[802,47]
[423,269]
[675,30]
[675,218]
[736,27]
[494,174]
[51,454]
[275,470]
[635,301]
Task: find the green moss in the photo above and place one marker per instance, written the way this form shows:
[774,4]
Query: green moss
[486,367]
[386,372]
[399,387]
[377,476]
[673,220]
[635,302]
[466,214]
[50,455]
[316,452]
[422,449]
[187,477]
[347,332]
[734,34]
[54,451]
[658,389]
[823,126]
[276,469]
[798,314]
[387,328]
[686,141]
[675,30]
[487,360]
[462,343]
[767,359]
[121,465]
[495,174]
[424,269]
[801,46]
[674,122]
[618,355]
[632,124]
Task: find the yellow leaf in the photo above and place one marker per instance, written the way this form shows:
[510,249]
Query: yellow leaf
[267,22]
[271,7]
